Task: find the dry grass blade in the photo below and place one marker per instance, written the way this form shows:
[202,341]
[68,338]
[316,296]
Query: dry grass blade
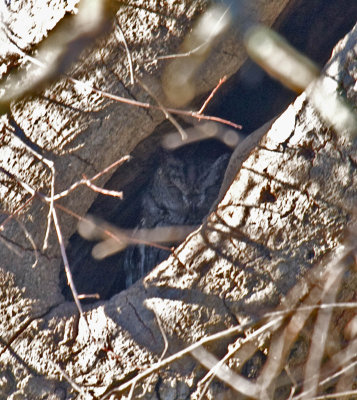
[228,332]
[66,266]
[283,340]
[247,348]
[319,337]
[237,382]
[320,285]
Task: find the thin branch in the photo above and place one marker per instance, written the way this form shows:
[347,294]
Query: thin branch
[17,211]
[166,346]
[273,323]
[336,395]
[164,110]
[74,385]
[66,266]
[33,192]
[176,356]
[193,114]
[319,336]
[226,374]
[98,229]
[130,60]
[214,91]
[105,192]
[213,32]
[87,182]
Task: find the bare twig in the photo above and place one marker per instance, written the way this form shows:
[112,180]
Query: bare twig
[225,374]
[193,114]
[219,25]
[210,97]
[341,395]
[74,385]
[88,182]
[166,346]
[176,356]
[202,131]
[116,239]
[164,110]
[273,324]
[130,60]
[105,192]
[66,266]
[319,336]
[33,192]
[50,165]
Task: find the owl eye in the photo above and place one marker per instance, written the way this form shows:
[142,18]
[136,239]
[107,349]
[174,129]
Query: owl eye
[171,187]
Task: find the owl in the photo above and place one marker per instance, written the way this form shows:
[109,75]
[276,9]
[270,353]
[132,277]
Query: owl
[181,192]
[175,189]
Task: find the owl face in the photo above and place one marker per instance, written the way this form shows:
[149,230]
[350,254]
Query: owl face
[185,189]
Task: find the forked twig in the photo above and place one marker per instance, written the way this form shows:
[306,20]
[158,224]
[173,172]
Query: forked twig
[88,181]
[50,200]
[164,110]
[50,165]
[193,114]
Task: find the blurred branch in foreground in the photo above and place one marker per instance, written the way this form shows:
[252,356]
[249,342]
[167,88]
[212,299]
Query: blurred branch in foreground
[57,52]
[297,72]
[115,239]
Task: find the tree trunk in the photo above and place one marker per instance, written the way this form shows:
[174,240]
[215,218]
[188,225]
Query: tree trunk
[287,206]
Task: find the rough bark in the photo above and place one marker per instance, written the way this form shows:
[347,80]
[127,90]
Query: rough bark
[288,206]
[83,133]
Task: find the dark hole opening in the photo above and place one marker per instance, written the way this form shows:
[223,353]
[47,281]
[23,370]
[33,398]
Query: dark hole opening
[249,98]
[171,189]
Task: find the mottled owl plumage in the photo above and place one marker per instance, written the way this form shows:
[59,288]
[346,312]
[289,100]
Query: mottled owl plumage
[181,192]
[179,189]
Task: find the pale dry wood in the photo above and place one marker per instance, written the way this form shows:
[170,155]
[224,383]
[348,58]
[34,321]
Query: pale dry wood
[283,211]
